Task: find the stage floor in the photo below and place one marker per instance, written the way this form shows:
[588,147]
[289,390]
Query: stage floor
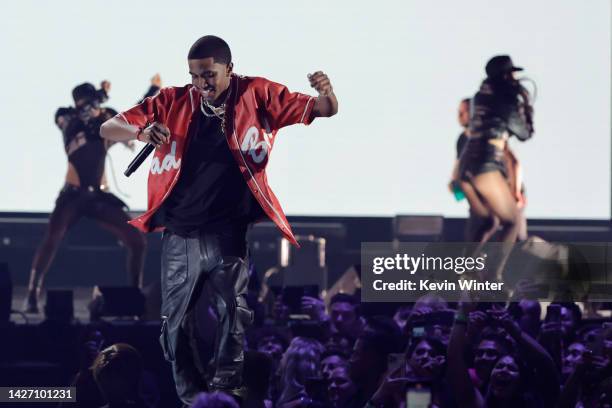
[82,297]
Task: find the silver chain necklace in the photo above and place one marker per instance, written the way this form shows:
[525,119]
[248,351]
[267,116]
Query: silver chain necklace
[217,111]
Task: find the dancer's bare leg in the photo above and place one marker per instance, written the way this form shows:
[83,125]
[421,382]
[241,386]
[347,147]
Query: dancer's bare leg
[64,215]
[115,220]
[494,190]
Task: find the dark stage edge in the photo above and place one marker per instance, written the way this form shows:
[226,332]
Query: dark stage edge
[82,297]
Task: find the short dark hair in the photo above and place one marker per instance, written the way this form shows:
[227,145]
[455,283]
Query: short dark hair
[346,298]
[335,352]
[437,346]
[572,307]
[211,46]
[117,370]
[278,333]
[217,399]
[507,346]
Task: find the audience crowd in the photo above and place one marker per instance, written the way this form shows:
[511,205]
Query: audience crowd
[430,353]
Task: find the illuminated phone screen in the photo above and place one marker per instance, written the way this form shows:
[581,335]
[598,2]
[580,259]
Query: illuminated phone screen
[418,331]
[418,398]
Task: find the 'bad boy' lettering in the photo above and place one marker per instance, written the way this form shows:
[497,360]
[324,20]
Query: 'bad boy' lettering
[168,162]
[258,150]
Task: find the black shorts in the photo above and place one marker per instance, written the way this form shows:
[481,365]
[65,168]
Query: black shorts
[87,201]
[480,156]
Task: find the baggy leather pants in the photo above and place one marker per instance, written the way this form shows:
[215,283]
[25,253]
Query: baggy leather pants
[204,284]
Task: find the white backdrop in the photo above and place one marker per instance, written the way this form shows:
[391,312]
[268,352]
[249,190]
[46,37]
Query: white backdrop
[399,69]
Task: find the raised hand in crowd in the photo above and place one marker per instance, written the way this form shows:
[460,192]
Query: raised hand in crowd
[314,307]
[156,81]
[551,338]
[477,321]
[390,391]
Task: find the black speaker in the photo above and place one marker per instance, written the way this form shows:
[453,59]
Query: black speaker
[6,293]
[304,266]
[59,305]
[116,301]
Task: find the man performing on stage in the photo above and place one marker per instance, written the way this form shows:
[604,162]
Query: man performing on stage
[207,184]
[85,192]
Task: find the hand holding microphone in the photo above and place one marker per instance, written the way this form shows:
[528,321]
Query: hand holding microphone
[154,135]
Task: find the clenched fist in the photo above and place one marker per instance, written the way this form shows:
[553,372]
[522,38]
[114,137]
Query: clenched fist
[321,83]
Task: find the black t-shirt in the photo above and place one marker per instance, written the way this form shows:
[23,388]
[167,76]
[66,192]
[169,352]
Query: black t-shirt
[210,193]
[461,141]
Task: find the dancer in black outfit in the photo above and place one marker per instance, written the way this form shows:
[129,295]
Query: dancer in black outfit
[500,109]
[482,225]
[85,191]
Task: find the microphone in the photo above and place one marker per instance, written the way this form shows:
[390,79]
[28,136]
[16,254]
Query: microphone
[140,157]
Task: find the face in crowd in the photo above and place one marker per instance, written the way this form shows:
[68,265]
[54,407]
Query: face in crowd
[505,378]
[572,357]
[271,346]
[340,343]
[425,361]
[341,387]
[486,355]
[330,363]
[344,317]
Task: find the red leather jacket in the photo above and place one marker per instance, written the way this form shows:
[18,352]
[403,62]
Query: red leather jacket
[256,109]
